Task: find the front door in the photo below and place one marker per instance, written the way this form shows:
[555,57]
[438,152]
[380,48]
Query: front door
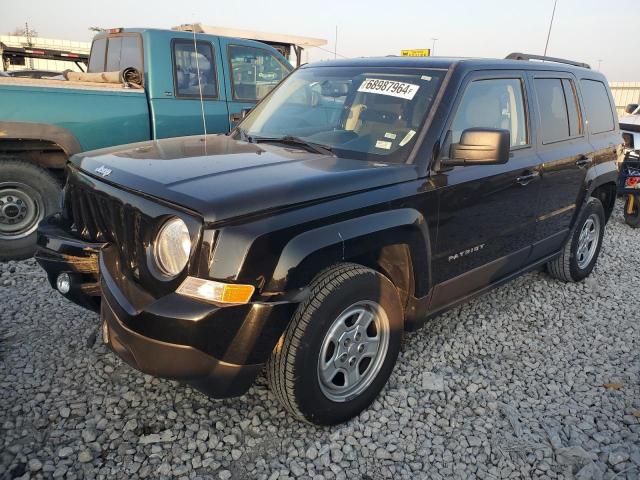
[252,72]
[487,212]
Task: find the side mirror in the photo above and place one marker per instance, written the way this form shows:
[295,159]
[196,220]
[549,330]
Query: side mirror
[632,107]
[480,146]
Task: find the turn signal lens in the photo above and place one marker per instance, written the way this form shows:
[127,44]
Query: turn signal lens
[216,292]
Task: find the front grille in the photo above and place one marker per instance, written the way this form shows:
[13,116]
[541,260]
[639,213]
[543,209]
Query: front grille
[99,218]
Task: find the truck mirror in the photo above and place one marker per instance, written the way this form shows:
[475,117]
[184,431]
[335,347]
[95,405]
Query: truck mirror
[481,146]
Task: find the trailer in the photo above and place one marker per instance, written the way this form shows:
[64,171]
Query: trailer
[29,53]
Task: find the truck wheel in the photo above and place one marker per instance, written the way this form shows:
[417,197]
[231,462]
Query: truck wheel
[27,194]
[581,251]
[340,347]
[632,212]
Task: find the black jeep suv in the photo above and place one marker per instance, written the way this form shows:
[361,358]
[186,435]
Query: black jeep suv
[360,198]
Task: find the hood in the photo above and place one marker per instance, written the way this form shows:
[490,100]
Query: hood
[222,178]
[633,119]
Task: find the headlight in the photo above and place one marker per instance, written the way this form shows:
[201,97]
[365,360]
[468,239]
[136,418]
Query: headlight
[172,247]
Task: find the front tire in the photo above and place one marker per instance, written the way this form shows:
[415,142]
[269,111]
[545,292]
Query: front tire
[340,347]
[581,251]
[28,193]
[632,212]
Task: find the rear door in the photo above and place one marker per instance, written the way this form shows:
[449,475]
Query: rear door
[565,154]
[251,72]
[192,88]
[487,212]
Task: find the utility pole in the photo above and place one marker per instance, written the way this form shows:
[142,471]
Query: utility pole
[599,63]
[553,13]
[433,48]
[335,45]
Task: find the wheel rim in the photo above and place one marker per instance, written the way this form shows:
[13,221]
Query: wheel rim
[21,209]
[588,241]
[353,351]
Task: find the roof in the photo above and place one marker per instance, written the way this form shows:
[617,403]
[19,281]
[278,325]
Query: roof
[447,62]
[252,35]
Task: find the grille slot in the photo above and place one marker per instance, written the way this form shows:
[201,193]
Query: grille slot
[99,218]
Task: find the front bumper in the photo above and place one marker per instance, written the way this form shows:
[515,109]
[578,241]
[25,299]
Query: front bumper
[218,350]
[60,252]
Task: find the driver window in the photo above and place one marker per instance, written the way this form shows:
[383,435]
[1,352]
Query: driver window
[254,72]
[494,103]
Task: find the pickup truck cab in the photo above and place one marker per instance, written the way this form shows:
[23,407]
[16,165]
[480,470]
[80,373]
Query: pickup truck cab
[358,199]
[43,122]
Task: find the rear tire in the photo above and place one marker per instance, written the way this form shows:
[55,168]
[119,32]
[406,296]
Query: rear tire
[340,347]
[632,219]
[581,251]
[28,193]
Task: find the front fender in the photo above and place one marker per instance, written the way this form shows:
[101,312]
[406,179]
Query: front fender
[307,253]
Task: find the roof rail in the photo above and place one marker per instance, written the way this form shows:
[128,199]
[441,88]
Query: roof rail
[528,56]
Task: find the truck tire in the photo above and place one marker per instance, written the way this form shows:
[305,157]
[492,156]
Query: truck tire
[28,193]
[340,346]
[632,218]
[581,251]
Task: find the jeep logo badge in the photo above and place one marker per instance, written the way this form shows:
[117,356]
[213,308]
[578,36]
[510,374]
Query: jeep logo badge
[104,171]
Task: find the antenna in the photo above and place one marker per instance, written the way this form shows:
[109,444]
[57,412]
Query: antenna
[195,51]
[553,13]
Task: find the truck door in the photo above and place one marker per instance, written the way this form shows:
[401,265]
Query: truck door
[252,72]
[565,154]
[195,75]
[487,213]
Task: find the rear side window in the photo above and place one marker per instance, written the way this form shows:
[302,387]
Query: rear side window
[599,112]
[96,59]
[123,52]
[493,103]
[254,72]
[559,111]
[188,61]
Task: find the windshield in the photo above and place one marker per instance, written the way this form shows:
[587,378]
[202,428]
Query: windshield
[357,112]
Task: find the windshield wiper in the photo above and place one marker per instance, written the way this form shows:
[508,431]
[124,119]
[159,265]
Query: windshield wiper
[296,142]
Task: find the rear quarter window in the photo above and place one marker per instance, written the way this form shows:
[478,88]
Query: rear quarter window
[598,107]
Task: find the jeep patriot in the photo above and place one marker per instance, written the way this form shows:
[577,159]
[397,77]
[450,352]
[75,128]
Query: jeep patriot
[358,199]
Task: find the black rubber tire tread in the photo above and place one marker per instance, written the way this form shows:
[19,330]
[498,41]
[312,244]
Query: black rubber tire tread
[280,368]
[633,220]
[49,187]
[561,266]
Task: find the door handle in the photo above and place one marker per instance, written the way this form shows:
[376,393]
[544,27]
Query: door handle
[583,160]
[528,178]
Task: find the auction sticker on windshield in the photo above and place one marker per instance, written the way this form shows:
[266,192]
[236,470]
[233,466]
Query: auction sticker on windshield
[389,87]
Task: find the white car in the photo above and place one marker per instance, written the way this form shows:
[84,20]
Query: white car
[630,126]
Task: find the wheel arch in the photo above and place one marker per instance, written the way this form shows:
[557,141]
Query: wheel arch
[395,243]
[43,144]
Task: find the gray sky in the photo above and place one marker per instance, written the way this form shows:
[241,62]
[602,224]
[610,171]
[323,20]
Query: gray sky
[585,30]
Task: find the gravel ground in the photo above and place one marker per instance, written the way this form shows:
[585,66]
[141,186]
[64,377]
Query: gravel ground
[536,379]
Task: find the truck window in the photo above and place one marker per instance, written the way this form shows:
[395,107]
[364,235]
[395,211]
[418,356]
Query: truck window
[553,110]
[575,123]
[96,58]
[122,52]
[493,103]
[598,106]
[254,72]
[187,63]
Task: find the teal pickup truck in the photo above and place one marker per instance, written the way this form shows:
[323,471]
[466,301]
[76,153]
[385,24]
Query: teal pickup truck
[191,83]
